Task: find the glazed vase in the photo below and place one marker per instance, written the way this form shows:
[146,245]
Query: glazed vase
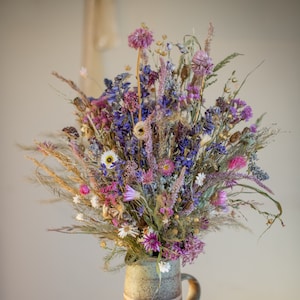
[143,283]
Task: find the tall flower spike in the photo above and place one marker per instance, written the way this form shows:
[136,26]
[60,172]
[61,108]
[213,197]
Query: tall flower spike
[140,39]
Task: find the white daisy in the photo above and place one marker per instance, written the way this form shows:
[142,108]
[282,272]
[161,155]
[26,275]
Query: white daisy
[200,179]
[95,201]
[128,229]
[164,267]
[76,199]
[80,217]
[108,158]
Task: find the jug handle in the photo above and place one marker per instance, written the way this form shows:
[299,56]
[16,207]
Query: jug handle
[194,291]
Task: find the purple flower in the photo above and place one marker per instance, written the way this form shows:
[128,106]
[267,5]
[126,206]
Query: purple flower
[253,128]
[192,248]
[238,102]
[220,199]
[131,194]
[141,38]
[246,113]
[151,242]
[202,64]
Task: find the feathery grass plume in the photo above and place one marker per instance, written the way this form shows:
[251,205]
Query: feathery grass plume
[207,43]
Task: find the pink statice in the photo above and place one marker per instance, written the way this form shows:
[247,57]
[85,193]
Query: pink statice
[220,199]
[131,194]
[110,193]
[151,242]
[237,163]
[166,167]
[84,189]
[130,99]
[202,64]
[141,38]
[147,177]
[167,212]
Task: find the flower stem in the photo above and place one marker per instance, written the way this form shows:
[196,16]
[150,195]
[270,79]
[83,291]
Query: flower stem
[139,83]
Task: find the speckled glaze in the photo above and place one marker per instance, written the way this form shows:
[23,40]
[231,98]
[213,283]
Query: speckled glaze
[142,282]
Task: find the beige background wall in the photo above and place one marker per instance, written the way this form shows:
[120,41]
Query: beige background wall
[39,36]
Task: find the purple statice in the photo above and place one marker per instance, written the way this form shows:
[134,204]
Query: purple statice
[193,92]
[222,104]
[188,250]
[238,103]
[130,99]
[204,223]
[246,113]
[141,38]
[202,64]
[193,246]
[172,251]
[253,128]
[151,242]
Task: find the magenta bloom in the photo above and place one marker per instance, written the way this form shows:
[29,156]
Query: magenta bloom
[202,64]
[151,242]
[166,167]
[192,248]
[237,163]
[84,189]
[141,38]
[131,194]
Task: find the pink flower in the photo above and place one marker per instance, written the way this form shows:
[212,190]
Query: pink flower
[166,167]
[151,242]
[131,194]
[147,177]
[167,211]
[141,38]
[220,199]
[192,248]
[130,99]
[237,163]
[202,64]
[84,189]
